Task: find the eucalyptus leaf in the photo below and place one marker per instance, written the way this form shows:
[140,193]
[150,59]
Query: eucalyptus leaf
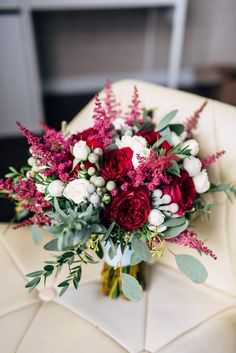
[37,234]
[134,260]
[173,232]
[173,222]
[177,128]
[131,288]
[191,267]
[141,249]
[51,245]
[166,120]
[106,236]
[218,188]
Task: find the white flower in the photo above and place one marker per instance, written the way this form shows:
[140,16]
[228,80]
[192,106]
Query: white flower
[201,182]
[193,166]
[31,161]
[119,123]
[193,146]
[55,188]
[76,190]
[175,139]
[81,150]
[156,217]
[138,145]
[40,188]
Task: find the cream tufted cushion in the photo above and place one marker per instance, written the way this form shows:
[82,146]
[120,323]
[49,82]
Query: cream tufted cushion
[174,315]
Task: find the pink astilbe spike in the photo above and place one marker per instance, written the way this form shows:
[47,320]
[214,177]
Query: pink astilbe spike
[211,159]
[25,194]
[135,110]
[150,170]
[189,239]
[110,102]
[191,123]
[102,124]
[51,150]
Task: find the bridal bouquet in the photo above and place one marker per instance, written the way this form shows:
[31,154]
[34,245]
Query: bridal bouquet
[124,190]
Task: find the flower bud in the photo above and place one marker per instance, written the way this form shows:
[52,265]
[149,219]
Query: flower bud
[201,182]
[93,158]
[193,146]
[98,151]
[192,165]
[106,198]
[95,199]
[55,188]
[99,181]
[81,150]
[156,217]
[91,171]
[111,185]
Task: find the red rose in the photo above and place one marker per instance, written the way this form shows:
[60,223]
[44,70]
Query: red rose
[116,163]
[182,192]
[152,136]
[88,135]
[130,209]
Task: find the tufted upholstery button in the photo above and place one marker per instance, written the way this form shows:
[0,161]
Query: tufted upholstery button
[47,294]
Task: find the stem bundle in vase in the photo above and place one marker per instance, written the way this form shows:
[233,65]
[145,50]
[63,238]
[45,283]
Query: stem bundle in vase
[127,184]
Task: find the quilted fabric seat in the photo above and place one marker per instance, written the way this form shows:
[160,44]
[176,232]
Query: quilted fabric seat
[174,314]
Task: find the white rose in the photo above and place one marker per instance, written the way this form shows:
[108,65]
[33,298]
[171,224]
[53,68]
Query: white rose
[76,190]
[156,217]
[118,123]
[55,188]
[193,146]
[193,166]
[201,182]
[138,145]
[40,188]
[81,150]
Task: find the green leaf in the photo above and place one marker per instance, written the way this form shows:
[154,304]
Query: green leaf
[63,290]
[166,120]
[141,249]
[48,268]
[175,231]
[51,245]
[99,251]
[191,267]
[35,274]
[134,260]
[32,284]
[173,222]
[37,234]
[218,188]
[106,236]
[177,128]
[158,143]
[131,288]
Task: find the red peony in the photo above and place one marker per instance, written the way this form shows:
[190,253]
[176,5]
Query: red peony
[182,192]
[152,136]
[116,163]
[88,135]
[130,209]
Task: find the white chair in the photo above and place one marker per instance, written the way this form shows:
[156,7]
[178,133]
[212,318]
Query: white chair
[174,315]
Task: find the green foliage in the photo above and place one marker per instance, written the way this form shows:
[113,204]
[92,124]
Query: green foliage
[174,169]
[131,288]
[191,267]
[141,249]
[174,231]
[177,128]
[36,233]
[73,225]
[166,120]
